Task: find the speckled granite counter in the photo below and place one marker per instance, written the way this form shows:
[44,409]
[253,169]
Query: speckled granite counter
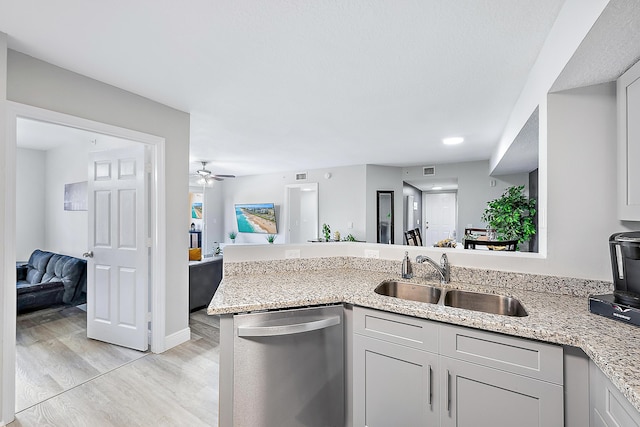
[553,317]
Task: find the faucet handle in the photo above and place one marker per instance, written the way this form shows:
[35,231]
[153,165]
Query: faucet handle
[444,260]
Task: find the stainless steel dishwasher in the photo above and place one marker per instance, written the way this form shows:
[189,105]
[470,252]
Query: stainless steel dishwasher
[288,368]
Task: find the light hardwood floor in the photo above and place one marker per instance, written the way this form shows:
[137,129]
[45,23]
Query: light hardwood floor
[105,385]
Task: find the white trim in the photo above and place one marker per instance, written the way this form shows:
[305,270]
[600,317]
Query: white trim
[177,338]
[158,252]
[8,294]
[15,110]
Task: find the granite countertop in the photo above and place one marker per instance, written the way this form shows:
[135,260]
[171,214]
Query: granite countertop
[561,319]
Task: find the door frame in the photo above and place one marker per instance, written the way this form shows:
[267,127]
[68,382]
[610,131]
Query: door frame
[157,291]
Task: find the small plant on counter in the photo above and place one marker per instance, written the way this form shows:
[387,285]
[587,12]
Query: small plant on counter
[271,238]
[232,236]
[326,231]
[349,238]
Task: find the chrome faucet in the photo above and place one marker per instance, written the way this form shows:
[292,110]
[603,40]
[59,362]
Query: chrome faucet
[444,268]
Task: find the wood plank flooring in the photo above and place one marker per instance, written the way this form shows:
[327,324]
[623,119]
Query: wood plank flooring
[114,386]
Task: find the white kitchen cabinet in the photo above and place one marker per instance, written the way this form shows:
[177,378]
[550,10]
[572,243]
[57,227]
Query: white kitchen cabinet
[394,385]
[628,98]
[489,379]
[477,396]
[609,407]
[395,368]
[415,372]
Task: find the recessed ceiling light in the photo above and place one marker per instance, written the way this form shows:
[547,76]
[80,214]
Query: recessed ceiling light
[436,188]
[453,141]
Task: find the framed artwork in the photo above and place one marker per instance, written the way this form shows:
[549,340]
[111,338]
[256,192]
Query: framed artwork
[196,210]
[197,200]
[75,196]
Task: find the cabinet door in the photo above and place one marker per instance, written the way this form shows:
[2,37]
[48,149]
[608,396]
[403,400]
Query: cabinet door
[478,396]
[609,407]
[393,385]
[628,88]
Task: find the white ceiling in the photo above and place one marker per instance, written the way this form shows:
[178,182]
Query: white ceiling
[296,85]
[610,48]
[38,135]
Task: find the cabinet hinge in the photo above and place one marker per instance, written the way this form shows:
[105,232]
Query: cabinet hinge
[149,242]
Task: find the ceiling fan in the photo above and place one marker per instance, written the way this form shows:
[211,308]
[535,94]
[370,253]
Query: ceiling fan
[207,177]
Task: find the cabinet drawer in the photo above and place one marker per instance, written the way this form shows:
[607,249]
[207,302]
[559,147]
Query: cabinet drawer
[396,328]
[517,355]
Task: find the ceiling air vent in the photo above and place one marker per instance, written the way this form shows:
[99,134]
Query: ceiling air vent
[428,171]
[301,176]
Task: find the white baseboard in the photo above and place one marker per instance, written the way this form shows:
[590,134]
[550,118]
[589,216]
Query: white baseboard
[177,338]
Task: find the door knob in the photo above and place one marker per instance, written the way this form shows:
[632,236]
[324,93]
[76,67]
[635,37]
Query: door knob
[88,254]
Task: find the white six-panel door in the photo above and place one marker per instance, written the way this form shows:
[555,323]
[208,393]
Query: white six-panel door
[117,273]
[440,216]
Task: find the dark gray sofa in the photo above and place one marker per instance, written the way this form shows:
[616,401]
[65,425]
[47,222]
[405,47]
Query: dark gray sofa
[49,279]
[204,279]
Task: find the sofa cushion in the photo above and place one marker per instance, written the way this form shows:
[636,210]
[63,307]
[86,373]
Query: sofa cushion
[67,270]
[37,265]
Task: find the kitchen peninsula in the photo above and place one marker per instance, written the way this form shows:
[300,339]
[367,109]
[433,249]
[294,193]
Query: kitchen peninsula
[557,307]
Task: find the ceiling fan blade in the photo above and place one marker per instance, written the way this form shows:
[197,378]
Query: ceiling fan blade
[224,176]
[217,178]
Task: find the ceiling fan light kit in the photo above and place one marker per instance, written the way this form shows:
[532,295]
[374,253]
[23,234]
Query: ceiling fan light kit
[207,177]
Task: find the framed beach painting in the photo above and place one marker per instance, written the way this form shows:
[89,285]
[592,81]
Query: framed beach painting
[196,205]
[256,218]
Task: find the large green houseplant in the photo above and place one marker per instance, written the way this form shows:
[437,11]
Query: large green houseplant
[511,215]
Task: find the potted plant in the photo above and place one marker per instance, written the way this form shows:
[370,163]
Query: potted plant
[349,238]
[326,231]
[271,238]
[232,236]
[511,215]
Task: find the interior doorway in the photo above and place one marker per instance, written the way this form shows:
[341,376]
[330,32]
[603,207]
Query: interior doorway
[441,216]
[301,201]
[53,353]
[156,225]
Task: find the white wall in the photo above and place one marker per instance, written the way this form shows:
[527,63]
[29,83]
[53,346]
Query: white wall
[66,231]
[341,200]
[474,190]
[582,180]
[37,83]
[31,209]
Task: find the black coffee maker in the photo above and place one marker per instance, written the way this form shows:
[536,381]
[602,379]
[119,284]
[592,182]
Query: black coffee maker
[625,263]
[624,303]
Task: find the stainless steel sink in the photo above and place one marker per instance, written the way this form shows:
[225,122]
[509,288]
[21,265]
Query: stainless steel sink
[409,291]
[487,303]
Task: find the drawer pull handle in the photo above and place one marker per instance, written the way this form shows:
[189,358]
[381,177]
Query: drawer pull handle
[288,329]
[447,392]
[429,383]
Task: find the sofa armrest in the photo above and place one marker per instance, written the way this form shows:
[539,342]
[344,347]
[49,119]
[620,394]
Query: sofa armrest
[21,272]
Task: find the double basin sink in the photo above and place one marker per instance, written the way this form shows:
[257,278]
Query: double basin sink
[476,301]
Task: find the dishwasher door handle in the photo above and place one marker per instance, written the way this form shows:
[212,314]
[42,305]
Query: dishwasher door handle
[294,328]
